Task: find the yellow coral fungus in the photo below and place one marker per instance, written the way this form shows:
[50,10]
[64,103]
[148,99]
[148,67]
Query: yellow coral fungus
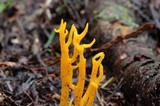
[68,66]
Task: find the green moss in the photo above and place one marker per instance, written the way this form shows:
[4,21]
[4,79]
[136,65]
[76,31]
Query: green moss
[114,11]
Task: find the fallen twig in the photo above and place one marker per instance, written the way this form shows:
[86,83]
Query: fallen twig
[120,38]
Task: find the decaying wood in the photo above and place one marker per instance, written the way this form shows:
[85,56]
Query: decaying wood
[136,63]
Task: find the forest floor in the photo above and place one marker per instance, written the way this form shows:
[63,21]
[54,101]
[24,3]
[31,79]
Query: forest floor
[30,49]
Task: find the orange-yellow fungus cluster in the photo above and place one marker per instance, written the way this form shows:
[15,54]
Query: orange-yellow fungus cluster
[77,61]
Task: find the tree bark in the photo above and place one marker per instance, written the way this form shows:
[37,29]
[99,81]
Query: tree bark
[135,62]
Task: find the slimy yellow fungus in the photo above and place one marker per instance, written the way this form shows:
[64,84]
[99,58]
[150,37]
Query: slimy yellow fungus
[77,61]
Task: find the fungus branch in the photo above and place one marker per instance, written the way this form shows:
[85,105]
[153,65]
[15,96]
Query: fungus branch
[67,67]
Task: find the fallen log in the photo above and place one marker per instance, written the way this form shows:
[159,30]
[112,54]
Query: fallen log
[135,62]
